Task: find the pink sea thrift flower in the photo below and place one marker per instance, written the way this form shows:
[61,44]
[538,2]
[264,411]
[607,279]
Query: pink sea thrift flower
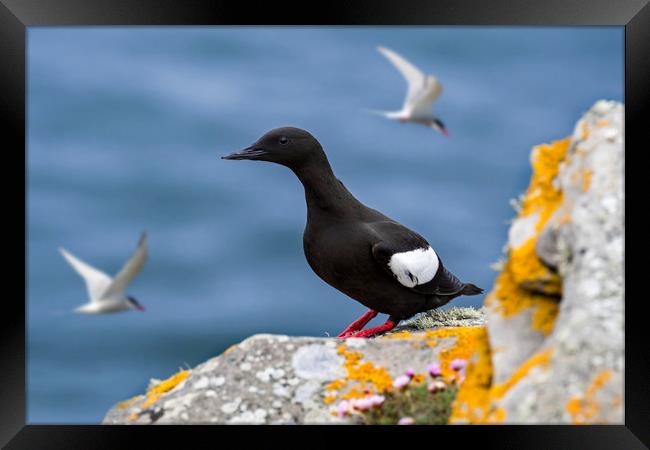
[410,373]
[377,400]
[406,421]
[437,386]
[458,364]
[434,370]
[343,408]
[401,382]
[362,404]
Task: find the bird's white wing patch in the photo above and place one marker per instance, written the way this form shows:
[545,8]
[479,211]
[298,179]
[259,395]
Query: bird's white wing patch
[132,267]
[414,267]
[96,281]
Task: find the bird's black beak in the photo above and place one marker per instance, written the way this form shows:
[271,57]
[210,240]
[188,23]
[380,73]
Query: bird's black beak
[251,152]
[136,304]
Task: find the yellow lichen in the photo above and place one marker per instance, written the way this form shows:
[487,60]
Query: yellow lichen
[418,378]
[585,131]
[586,179]
[542,358]
[541,198]
[363,378]
[133,416]
[602,122]
[524,278]
[584,408]
[477,399]
[336,385]
[463,341]
[126,403]
[509,298]
[524,283]
[164,386]
[399,335]
[472,403]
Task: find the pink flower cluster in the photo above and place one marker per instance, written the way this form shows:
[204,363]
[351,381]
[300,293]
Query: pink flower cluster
[406,421]
[357,405]
[459,365]
[435,372]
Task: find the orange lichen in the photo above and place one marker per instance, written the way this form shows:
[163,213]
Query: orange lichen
[602,122]
[363,378]
[477,399]
[133,416]
[509,298]
[465,339]
[400,335]
[525,282]
[585,131]
[164,386]
[584,408]
[418,378]
[126,403]
[336,385]
[541,196]
[472,404]
[542,358]
[586,179]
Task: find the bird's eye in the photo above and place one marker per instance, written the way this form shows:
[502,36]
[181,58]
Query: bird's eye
[284,140]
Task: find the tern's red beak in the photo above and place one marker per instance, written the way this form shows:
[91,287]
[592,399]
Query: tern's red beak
[140,308]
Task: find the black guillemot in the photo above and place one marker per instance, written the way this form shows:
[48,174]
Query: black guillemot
[356,249]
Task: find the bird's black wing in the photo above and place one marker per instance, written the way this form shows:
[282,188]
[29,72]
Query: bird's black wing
[408,257]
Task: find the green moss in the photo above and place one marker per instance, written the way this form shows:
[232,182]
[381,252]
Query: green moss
[417,402]
[449,317]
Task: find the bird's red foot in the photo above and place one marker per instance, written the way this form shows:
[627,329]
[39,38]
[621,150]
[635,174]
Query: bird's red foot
[389,325]
[358,324]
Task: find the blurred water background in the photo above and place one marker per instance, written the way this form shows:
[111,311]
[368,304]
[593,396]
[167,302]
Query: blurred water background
[125,129]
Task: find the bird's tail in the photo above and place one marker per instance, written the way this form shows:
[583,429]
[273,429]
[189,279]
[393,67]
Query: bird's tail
[471,289]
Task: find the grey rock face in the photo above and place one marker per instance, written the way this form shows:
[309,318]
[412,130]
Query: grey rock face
[274,379]
[583,240]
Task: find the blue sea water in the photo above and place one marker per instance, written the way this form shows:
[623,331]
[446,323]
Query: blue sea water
[125,127]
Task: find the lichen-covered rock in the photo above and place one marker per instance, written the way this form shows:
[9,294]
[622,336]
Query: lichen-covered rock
[275,379]
[554,346]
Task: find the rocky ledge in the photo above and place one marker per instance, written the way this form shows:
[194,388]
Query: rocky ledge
[547,349]
[277,379]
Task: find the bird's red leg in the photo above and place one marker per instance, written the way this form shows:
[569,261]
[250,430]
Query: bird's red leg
[389,325]
[359,323]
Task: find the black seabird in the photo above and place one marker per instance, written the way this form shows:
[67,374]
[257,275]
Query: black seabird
[358,250]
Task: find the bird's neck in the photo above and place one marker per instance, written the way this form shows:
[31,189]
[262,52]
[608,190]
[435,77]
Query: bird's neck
[324,193]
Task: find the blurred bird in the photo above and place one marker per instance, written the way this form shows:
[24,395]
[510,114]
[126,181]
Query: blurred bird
[107,294]
[423,90]
[359,251]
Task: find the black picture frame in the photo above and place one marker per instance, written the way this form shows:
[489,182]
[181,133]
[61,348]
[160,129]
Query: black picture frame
[17,15]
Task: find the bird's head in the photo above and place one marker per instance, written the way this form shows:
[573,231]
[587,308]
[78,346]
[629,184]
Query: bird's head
[288,146]
[437,125]
[135,304]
